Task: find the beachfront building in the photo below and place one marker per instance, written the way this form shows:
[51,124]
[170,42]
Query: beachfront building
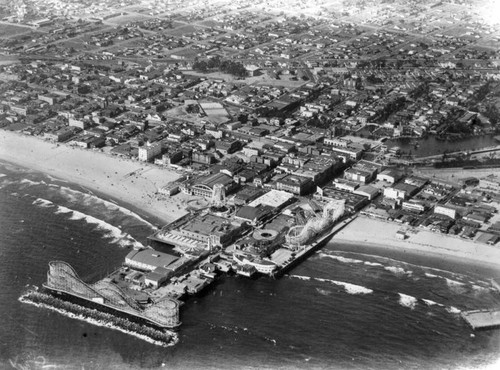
[62,134]
[253,215]
[206,227]
[149,259]
[414,206]
[446,211]
[204,186]
[149,151]
[490,183]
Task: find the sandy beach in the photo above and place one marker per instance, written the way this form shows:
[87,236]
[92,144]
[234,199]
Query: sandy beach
[382,234]
[126,181]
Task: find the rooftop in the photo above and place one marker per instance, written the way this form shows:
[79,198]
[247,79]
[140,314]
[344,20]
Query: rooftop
[151,257]
[274,198]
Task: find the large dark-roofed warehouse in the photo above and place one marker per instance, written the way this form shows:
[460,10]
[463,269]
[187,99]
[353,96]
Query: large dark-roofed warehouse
[149,259]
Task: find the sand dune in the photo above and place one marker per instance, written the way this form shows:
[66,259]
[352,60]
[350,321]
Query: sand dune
[127,181]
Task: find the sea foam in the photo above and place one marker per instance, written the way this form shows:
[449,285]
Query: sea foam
[452,309]
[407,300]
[300,277]
[340,258]
[428,302]
[452,283]
[43,203]
[398,271]
[349,288]
[373,263]
[31,182]
[88,198]
[112,232]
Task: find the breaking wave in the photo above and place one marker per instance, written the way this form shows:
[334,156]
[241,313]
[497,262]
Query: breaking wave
[88,198]
[452,283]
[452,309]
[428,302]
[407,300]
[453,279]
[301,277]
[112,232]
[394,269]
[339,258]
[404,300]
[373,264]
[348,287]
[398,271]
[431,275]
[323,291]
[43,203]
[31,182]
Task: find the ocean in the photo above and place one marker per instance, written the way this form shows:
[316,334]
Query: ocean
[343,308]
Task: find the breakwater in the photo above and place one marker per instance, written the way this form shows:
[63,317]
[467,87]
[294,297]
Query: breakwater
[158,337]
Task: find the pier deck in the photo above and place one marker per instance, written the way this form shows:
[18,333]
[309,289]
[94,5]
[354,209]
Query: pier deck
[482,319]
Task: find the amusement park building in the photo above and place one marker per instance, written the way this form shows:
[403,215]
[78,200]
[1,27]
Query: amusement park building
[205,227]
[204,186]
[149,259]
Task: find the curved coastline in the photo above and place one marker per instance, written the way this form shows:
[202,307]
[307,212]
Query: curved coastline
[126,182]
[110,178]
[377,236]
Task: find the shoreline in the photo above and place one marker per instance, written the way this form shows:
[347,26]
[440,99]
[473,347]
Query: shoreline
[369,234]
[132,184]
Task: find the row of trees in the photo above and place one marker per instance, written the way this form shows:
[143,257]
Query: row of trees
[227,66]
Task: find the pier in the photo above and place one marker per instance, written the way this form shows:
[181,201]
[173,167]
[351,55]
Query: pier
[482,319]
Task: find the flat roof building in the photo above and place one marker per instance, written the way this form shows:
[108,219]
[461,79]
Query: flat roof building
[274,198]
[295,184]
[149,259]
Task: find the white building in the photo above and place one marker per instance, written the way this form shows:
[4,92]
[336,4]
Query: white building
[389,176]
[447,211]
[149,151]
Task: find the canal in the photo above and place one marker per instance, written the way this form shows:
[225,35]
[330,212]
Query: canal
[432,146]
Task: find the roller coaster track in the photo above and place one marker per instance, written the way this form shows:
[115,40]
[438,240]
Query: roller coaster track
[63,278]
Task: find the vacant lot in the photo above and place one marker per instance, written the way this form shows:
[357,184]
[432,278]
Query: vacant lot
[182,30]
[10,30]
[120,20]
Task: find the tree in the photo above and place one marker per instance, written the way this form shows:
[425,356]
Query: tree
[243,118]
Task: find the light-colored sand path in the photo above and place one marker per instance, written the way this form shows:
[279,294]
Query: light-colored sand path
[126,181]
